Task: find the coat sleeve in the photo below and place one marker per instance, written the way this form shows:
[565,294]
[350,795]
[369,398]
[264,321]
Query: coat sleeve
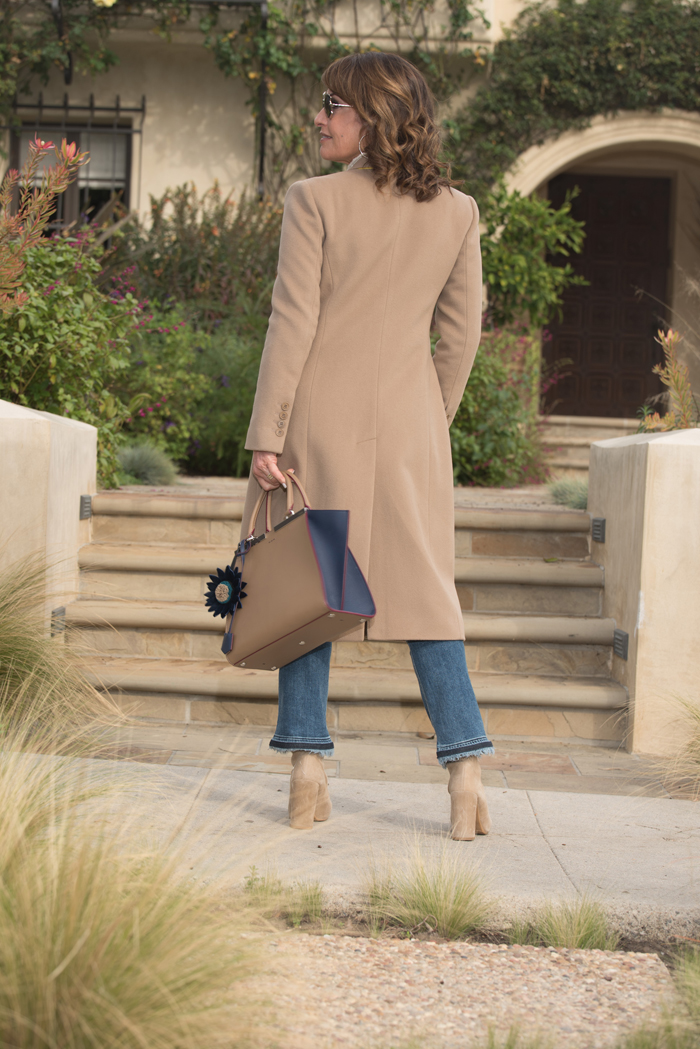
[458,319]
[296,300]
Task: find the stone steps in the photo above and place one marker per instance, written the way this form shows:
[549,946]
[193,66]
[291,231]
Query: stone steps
[568,439]
[537,649]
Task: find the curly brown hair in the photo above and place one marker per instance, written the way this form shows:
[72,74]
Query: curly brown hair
[400,137]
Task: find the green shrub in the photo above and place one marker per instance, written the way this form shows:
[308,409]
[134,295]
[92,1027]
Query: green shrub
[521,235]
[214,255]
[569,491]
[147,463]
[495,433]
[231,362]
[165,384]
[65,348]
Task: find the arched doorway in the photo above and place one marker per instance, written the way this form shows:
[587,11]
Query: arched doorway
[639,180]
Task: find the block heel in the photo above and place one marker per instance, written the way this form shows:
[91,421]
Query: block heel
[309,798]
[469,813]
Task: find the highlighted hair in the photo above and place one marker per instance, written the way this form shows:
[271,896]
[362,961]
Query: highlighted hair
[394,103]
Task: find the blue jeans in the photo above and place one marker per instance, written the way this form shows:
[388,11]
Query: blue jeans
[448,696]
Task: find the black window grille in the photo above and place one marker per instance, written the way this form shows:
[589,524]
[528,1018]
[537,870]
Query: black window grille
[105,132]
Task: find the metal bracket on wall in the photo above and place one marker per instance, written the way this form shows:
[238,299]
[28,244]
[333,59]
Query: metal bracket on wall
[598,529]
[85,507]
[621,643]
[58,621]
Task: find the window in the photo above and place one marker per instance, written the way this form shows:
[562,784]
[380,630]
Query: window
[109,143]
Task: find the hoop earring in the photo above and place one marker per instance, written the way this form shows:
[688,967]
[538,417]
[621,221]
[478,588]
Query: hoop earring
[359,146]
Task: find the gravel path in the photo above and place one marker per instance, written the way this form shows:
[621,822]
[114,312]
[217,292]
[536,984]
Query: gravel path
[363,993]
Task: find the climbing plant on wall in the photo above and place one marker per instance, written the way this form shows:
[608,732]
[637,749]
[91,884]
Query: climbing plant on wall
[561,64]
[37,38]
[302,36]
[289,48]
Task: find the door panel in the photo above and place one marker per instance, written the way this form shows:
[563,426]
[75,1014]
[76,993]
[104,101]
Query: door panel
[606,331]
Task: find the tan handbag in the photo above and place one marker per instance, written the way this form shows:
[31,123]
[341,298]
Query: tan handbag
[301,585]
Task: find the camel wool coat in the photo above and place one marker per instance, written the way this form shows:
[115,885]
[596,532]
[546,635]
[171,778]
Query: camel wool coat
[349,394]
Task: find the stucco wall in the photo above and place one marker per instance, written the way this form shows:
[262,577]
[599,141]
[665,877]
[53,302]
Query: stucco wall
[46,463]
[647,488]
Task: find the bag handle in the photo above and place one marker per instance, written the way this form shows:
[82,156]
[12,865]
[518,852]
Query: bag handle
[256,510]
[268,509]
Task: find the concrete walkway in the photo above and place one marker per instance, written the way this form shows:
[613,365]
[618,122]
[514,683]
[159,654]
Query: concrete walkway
[639,854]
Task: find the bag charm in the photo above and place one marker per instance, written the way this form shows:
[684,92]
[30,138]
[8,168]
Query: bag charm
[226,591]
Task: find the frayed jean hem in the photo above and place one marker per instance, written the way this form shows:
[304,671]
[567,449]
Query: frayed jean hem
[312,746]
[468,752]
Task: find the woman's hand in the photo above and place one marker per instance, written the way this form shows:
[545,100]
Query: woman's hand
[266,471]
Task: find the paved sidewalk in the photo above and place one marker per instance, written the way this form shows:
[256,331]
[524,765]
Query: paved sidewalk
[639,854]
[395,757]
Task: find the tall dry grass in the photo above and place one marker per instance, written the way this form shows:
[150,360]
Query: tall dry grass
[682,774]
[436,892]
[580,923]
[103,941]
[36,670]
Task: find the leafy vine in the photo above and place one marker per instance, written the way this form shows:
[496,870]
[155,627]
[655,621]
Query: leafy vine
[560,65]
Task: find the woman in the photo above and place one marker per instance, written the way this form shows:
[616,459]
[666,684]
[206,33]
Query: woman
[350,397]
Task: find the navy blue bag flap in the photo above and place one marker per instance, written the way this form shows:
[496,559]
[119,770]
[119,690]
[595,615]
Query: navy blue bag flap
[357,597]
[329,534]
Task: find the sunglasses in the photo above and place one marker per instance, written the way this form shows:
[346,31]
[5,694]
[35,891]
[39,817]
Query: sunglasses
[329,106]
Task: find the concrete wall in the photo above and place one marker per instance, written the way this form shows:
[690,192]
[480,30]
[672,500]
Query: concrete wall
[647,488]
[46,463]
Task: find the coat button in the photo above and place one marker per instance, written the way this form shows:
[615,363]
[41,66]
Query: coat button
[280,433]
[280,423]
[285,407]
[283,415]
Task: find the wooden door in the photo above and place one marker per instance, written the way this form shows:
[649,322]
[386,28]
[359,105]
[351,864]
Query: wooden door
[606,331]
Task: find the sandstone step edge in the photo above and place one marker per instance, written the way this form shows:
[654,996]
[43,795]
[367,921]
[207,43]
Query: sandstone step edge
[209,680]
[532,572]
[225,509]
[555,520]
[477,627]
[216,508]
[162,560]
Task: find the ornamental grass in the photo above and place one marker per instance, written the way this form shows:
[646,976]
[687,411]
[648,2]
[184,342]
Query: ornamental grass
[104,942]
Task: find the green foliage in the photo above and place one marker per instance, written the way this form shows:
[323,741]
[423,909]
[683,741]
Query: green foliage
[165,385]
[231,362]
[568,491]
[519,234]
[217,256]
[561,64]
[300,40]
[34,41]
[495,433]
[219,260]
[69,344]
[147,464]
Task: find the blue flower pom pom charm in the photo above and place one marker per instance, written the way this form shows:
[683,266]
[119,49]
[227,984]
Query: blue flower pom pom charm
[226,592]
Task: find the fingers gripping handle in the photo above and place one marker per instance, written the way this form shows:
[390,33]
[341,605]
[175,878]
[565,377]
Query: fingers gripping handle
[268,507]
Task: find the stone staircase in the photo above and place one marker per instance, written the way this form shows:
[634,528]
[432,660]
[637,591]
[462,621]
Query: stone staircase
[568,440]
[538,650]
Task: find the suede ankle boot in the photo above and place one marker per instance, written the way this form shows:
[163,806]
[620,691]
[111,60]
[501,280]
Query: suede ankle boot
[309,799]
[469,813]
